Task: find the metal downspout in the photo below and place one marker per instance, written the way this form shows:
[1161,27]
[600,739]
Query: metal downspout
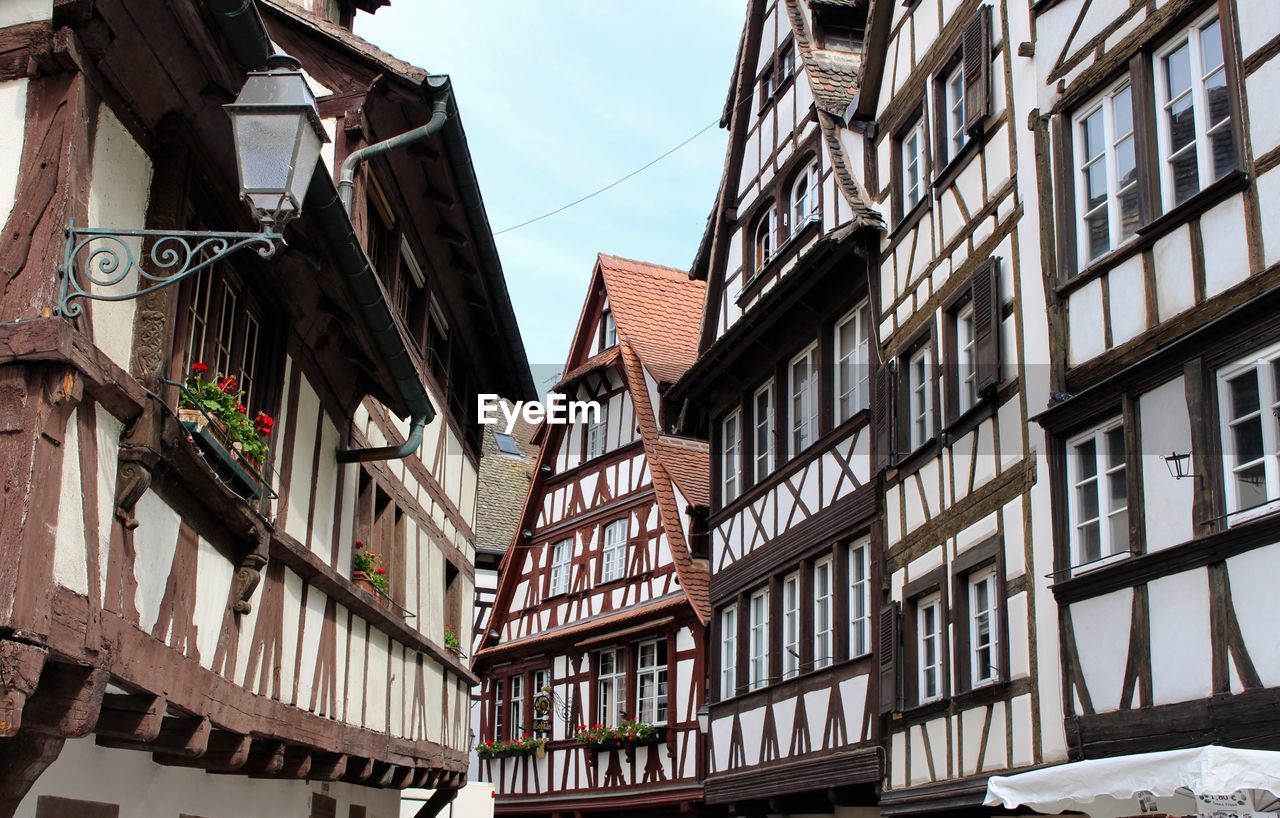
[347,182]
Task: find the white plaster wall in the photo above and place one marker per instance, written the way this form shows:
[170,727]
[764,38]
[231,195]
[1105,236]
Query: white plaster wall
[1226,249]
[154,542]
[1257,605]
[1181,659]
[118,197]
[15,12]
[144,789]
[1101,627]
[13,116]
[69,566]
[1166,428]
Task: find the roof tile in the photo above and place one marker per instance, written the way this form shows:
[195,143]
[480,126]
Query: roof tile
[658,310]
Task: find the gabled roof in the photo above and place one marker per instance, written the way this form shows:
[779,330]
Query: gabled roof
[688,463]
[657,310]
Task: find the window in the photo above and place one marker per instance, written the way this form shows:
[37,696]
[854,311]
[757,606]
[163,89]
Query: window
[542,688]
[823,621]
[651,682]
[608,331]
[766,234]
[1249,394]
[804,399]
[763,419]
[225,330]
[611,688]
[920,397]
[615,550]
[561,553]
[767,86]
[983,628]
[804,197]
[730,448]
[853,362]
[929,641]
[516,725]
[1194,112]
[966,359]
[791,626]
[1098,499]
[911,168]
[597,431]
[954,130]
[859,599]
[728,651]
[787,63]
[842,38]
[498,709]
[759,676]
[1107,190]
[506,443]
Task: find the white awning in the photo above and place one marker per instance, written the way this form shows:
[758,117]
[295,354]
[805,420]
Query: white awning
[1109,787]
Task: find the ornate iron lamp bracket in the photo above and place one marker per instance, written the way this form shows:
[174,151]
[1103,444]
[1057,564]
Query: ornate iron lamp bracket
[99,258]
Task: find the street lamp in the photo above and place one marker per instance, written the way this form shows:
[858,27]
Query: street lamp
[704,719]
[278,133]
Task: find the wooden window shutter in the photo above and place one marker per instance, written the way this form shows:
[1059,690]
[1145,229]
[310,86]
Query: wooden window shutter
[890,697]
[986,324]
[977,68]
[882,414]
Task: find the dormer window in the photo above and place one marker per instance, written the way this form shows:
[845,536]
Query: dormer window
[842,29]
[608,331]
[766,235]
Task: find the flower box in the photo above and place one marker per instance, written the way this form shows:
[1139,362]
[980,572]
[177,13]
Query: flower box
[213,440]
[512,749]
[361,580]
[656,735]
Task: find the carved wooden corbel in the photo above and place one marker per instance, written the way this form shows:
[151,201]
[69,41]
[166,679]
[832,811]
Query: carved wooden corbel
[139,453]
[249,569]
[20,668]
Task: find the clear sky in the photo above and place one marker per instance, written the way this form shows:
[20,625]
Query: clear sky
[560,98]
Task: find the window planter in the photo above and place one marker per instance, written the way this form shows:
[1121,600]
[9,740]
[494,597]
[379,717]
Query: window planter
[657,736]
[362,580]
[512,749]
[226,457]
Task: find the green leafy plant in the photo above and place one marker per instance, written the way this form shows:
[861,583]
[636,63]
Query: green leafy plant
[221,398]
[368,565]
[528,744]
[626,731]
[451,639]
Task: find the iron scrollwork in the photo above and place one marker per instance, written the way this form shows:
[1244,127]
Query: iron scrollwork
[99,258]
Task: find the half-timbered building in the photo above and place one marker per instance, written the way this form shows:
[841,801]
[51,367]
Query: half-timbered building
[599,620]
[180,629]
[1162,260]
[967,666]
[782,390]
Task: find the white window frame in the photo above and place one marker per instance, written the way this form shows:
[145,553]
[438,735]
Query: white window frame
[766,228]
[804,400]
[1200,101]
[953,114]
[966,359]
[728,652]
[860,598]
[853,369]
[515,728]
[561,566]
[984,671]
[499,709]
[791,626]
[1106,103]
[758,664]
[1264,365]
[611,687]
[730,457]
[912,162]
[824,620]
[608,331]
[925,638]
[651,678]
[613,556]
[787,63]
[804,197]
[598,432]
[920,408]
[1075,481]
[762,421]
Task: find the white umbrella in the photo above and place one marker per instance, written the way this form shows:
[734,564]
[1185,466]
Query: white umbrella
[1110,787]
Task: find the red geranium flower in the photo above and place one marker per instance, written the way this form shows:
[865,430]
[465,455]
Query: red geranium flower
[199,368]
[227,384]
[241,408]
[359,544]
[380,570]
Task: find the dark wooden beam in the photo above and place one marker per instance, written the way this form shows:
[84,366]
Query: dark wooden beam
[328,766]
[438,801]
[450,233]
[22,664]
[132,717]
[67,701]
[358,770]
[401,778]
[23,758]
[225,752]
[179,736]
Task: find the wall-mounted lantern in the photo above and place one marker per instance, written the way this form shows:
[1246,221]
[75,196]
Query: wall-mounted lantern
[1179,465]
[278,133]
[704,719]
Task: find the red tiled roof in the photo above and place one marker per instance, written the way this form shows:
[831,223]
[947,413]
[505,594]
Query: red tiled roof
[688,462]
[607,621]
[657,310]
[593,364]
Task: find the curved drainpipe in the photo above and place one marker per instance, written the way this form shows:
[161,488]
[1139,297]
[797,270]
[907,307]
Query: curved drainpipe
[246,34]
[347,183]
